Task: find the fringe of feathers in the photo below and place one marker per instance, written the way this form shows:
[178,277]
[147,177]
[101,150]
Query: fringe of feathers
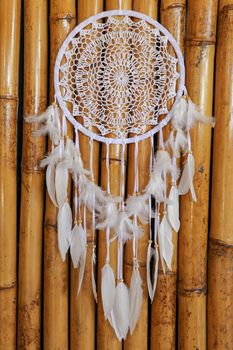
[121,305]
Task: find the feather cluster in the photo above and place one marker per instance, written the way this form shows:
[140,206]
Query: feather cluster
[121,306]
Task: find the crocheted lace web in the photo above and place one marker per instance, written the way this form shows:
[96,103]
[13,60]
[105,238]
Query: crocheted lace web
[118,76]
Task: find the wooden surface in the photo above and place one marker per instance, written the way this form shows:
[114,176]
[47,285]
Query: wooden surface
[32,182]
[136,341]
[200,53]
[9,65]
[83,329]
[39,308]
[164,308]
[220,258]
[56,309]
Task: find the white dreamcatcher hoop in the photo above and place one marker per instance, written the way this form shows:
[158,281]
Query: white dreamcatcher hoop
[118,72]
[127,14]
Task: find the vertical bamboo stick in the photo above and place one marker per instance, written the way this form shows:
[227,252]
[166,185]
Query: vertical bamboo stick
[9,65]
[137,341]
[106,338]
[32,198]
[220,272]
[163,321]
[200,51]
[82,329]
[62,21]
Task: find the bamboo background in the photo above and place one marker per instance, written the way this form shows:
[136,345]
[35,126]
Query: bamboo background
[193,306]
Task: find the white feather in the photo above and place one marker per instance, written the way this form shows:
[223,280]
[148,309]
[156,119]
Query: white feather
[93,283]
[164,164]
[78,244]
[148,274]
[138,205]
[76,164]
[64,224]
[112,322]
[181,141]
[107,289]
[126,229]
[50,182]
[81,270]
[50,123]
[49,129]
[152,254]
[178,142]
[165,242]
[88,189]
[43,117]
[195,115]
[108,216]
[179,120]
[135,298]
[186,181]
[121,309]
[156,187]
[61,184]
[173,208]
[52,158]
[156,269]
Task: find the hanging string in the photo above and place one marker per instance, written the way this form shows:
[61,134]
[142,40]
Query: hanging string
[161,142]
[151,169]
[75,200]
[77,140]
[136,188]
[91,157]
[84,217]
[108,191]
[122,193]
[174,166]
[189,142]
[64,126]
[93,195]
[120,4]
[136,185]
[107,168]
[122,189]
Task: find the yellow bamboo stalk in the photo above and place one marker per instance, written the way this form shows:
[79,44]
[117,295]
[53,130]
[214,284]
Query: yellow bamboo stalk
[220,257]
[137,341]
[163,324]
[9,65]
[200,51]
[32,198]
[82,329]
[106,338]
[56,334]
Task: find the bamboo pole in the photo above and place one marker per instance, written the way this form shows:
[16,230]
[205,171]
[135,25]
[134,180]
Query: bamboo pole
[163,320]
[32,198]
[56,334]
[220,257]
[136,340]
[9,65]
[200,51]
[106,338]
[82,329]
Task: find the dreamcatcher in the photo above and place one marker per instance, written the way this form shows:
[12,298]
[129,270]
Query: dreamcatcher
[119,79]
